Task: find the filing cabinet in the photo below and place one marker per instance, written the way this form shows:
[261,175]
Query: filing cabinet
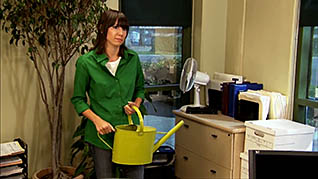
[208,146]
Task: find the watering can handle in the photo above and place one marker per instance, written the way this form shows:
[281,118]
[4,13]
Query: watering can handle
[104,141]
[130,122]
[141,121]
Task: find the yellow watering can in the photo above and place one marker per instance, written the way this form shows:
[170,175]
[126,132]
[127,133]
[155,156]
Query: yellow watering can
[134,144]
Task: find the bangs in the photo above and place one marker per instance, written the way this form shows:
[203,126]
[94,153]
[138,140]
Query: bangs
[107,20]
[123,22]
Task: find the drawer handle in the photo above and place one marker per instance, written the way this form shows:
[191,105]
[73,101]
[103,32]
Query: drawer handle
[186,126]
[214,136]
[213,171]
[260,134]
[185,158]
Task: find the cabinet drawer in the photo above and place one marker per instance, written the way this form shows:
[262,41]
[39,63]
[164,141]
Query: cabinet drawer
[208,142]
[190,165]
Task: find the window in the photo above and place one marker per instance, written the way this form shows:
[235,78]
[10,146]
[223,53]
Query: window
[160,52]
[306,96]
[160,32]
[306,93]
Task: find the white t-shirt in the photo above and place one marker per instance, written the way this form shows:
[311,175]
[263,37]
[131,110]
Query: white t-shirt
[112,66]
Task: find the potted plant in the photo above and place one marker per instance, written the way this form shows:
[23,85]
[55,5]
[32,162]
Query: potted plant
[53,32]
[80,149]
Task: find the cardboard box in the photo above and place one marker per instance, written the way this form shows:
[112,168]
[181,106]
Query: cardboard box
[278,134]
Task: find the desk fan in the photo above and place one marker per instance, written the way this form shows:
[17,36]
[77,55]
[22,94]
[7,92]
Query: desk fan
[191,77]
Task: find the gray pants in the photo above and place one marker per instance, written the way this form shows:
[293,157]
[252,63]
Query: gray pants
[105,168]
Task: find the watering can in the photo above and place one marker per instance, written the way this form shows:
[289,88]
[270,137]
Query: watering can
[134,144]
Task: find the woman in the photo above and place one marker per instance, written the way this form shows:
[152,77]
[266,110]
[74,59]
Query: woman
[112,77]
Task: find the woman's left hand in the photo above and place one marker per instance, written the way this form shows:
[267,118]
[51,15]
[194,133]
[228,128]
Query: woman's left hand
[128,108]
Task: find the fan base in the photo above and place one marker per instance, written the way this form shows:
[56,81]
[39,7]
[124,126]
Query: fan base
[195,109]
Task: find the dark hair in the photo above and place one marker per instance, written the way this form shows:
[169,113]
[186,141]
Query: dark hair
[108,19]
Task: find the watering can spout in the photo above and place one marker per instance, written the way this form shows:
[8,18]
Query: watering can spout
[165,137]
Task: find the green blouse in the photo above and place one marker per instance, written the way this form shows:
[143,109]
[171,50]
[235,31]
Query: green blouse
[108,94]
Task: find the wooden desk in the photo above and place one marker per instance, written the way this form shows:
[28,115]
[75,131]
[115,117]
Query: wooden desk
[208,146]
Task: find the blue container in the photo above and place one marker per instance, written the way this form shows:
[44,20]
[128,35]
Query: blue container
[234,90]
[254,86]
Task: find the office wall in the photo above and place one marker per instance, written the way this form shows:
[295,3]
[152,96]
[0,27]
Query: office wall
[269,42]
[196,29]
[262,46]
[21,110]
[235,36]
[209,29]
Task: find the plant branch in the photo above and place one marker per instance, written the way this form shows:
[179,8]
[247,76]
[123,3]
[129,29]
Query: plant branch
[53,32]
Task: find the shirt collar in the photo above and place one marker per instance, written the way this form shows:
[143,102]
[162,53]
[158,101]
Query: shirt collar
[126,54]
[102,57]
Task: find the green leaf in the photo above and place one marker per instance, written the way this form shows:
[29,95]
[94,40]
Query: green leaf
[62,5]
[74,155]
[86,149]
[11,40]
[31,58]
[1,14]
[42,39]
[55,64]
[91,173]
[17,41]
[74,40]
[80,143]
[80,130]
[41,18]
[84,49]
[80,169]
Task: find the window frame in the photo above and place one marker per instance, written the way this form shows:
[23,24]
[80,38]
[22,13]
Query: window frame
[303,75]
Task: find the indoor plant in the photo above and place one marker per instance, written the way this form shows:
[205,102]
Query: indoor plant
[53,32]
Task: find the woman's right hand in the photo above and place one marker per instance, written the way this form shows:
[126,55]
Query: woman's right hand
[103,127]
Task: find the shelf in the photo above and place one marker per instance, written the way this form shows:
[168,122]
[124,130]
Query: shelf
[13,159]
